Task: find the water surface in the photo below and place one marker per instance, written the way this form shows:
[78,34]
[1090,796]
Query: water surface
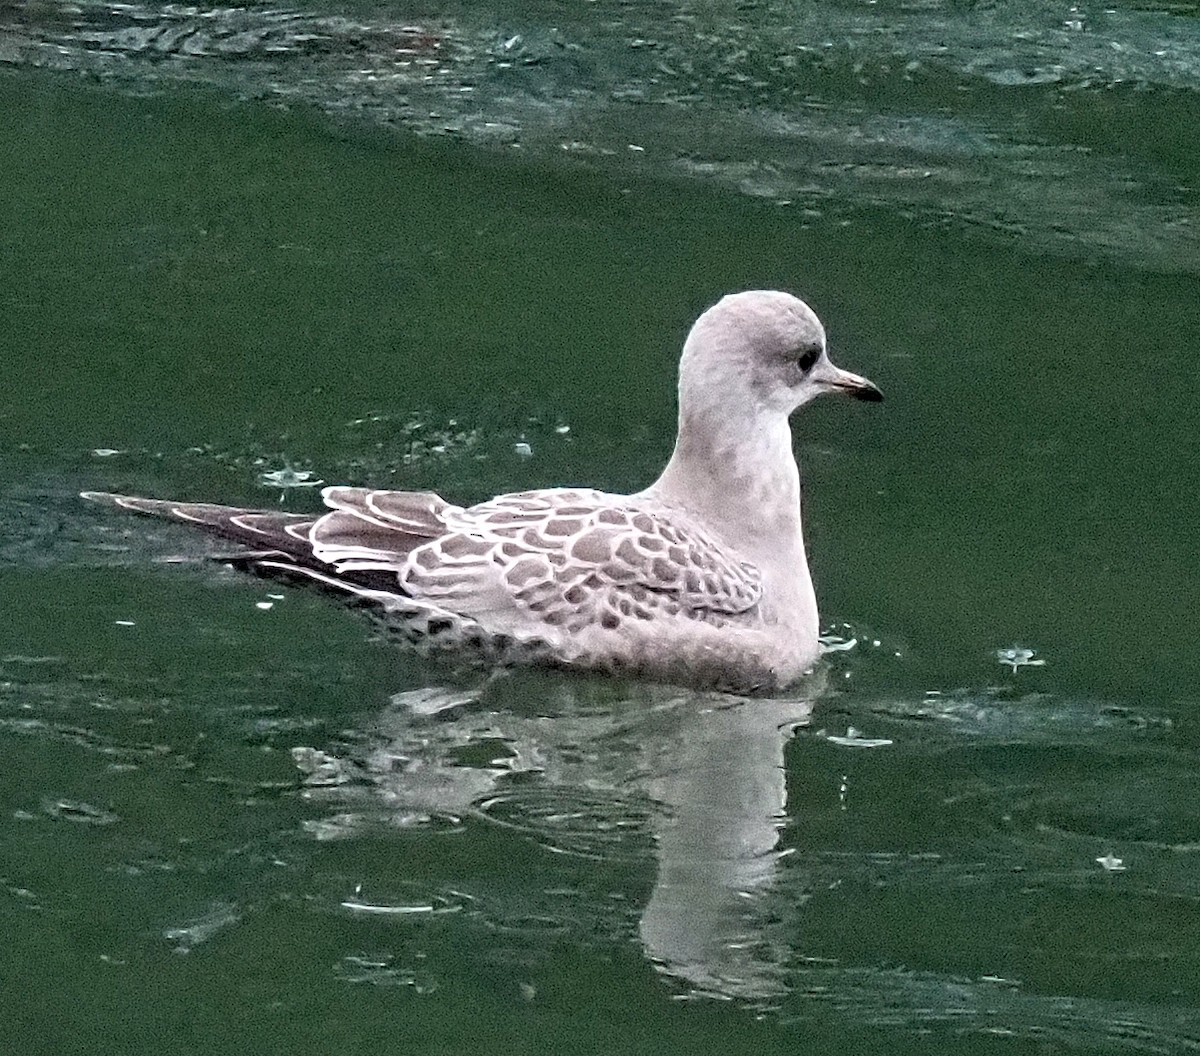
[395,249]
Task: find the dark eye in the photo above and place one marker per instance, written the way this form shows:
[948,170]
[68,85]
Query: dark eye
[808,357]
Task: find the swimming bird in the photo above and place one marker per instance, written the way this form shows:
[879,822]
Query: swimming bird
[701,579]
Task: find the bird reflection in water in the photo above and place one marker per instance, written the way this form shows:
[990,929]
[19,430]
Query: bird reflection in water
[598,771]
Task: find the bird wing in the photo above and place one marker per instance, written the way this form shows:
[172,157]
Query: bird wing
[561,557]
[565,557]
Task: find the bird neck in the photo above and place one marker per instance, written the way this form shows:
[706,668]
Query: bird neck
[740,479]
[741,476]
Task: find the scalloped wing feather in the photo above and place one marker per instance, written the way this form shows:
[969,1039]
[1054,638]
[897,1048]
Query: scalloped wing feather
[562,557]
[573,557]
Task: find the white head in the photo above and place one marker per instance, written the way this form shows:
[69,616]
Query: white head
[764,349]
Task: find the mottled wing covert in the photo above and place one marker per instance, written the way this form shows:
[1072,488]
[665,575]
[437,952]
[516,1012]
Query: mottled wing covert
[576,557]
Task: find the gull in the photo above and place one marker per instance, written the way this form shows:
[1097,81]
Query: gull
[699,580]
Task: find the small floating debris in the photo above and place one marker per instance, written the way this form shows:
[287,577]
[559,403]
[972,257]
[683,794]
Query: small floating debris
[79,812]
[832,643]
[125,623]
[1018,656]
[435,904]
[264,605]
[106,452]
[187,937]
[1111,863]
[371,907]
[287,478]
[854,739]
[522,449]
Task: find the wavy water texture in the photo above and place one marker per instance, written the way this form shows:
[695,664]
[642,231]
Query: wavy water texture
[771,853]
[1057,125]
[228,805]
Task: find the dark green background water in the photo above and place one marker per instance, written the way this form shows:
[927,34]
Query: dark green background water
[234,242]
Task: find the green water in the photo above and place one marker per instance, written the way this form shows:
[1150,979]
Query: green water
[225,826]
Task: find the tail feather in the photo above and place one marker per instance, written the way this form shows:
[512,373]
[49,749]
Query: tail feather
[286,533]
[280,543]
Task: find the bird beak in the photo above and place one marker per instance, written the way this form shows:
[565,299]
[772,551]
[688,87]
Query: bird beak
[837,380]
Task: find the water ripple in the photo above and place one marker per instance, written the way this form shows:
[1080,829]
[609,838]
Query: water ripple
[1010,120]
